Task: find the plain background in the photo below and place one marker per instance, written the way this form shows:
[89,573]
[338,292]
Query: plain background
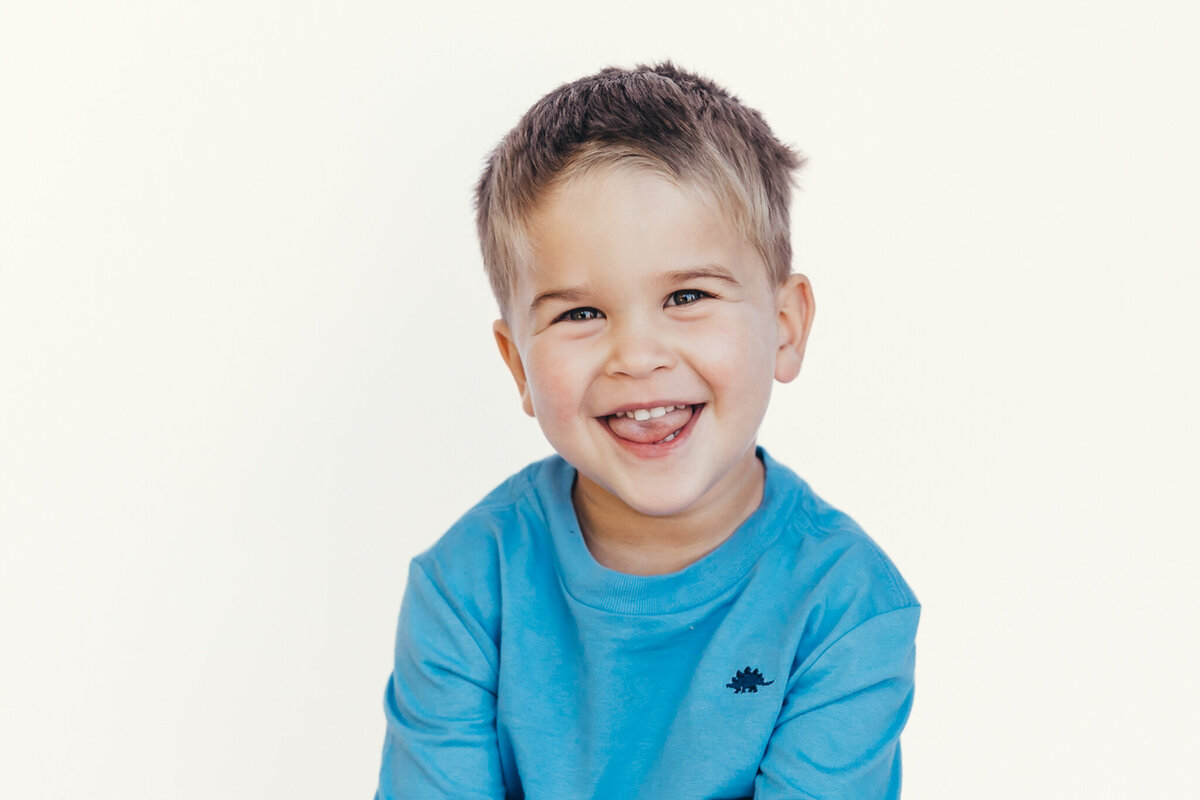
[246,368]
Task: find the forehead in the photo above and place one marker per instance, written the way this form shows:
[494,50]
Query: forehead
[620,224]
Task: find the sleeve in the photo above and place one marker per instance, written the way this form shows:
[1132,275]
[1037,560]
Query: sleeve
[440,703]
[838,735]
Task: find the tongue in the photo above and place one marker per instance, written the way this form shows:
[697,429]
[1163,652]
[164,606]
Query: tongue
[651,430]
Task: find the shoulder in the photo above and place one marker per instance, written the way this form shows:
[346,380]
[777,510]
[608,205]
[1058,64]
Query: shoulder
[466,564]
[510,511]
[835,575]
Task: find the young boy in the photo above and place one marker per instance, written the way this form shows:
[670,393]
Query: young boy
[660,610]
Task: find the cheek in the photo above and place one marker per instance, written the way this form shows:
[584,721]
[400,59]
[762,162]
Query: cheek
[555,383]
[736,356]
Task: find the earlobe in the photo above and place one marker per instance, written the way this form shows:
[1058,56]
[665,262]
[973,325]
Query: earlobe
[512,359]
[794,301]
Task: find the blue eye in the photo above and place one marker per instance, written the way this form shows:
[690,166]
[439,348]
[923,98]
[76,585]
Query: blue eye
[579,315]
[685,297]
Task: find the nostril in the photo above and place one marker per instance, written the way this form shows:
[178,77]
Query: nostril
[639,363]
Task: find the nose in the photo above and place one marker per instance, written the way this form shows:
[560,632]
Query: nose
[638,348]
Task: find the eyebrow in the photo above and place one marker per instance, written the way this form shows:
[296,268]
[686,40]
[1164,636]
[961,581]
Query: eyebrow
[711,271]
[565,295]
[707,271]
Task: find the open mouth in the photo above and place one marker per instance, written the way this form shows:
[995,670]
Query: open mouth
[653,425]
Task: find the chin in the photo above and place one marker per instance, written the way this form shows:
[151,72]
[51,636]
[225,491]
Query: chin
[659,504]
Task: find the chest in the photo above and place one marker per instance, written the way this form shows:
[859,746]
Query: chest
[595,704]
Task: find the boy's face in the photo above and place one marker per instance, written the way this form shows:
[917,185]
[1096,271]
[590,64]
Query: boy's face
[643,301]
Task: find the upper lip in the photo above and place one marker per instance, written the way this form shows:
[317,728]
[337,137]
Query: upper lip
[649,404]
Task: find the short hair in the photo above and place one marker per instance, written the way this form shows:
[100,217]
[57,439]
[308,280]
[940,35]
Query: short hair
[675,123]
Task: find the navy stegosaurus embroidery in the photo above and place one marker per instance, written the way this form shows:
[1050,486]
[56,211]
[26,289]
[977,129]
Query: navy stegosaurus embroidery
[747,680]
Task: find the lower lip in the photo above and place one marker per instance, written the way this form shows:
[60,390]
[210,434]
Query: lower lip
[656,450]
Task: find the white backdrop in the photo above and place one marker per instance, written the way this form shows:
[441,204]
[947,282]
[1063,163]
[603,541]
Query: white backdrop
[246,369]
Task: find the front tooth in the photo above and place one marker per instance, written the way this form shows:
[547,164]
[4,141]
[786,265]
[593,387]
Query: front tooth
[657,412]
[641,415]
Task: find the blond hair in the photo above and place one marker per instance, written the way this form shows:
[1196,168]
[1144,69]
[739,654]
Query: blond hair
[660,118]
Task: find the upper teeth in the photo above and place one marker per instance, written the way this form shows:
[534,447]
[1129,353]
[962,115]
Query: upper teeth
[647,413]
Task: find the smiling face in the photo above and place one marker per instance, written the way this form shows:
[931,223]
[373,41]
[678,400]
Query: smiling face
[645,340]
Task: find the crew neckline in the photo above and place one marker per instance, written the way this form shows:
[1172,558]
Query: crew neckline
[596,585]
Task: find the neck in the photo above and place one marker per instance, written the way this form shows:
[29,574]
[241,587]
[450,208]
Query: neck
[625,540]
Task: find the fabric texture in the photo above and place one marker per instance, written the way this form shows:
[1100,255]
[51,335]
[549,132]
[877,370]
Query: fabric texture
[780,665]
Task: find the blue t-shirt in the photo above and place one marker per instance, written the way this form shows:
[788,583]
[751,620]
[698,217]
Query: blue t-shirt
[780,665]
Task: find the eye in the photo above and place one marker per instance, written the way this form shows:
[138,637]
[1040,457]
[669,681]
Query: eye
[579,315]
[685,297]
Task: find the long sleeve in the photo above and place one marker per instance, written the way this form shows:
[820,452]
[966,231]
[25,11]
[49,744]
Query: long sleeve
[525,668]
[440,703]
[838,735]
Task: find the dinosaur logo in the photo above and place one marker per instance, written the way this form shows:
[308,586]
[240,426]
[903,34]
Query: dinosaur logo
[747,680]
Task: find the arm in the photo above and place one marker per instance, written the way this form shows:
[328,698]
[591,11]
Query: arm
[838,735]
[440,703]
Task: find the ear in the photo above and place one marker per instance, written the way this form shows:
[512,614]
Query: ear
[795,307]
[511,356]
